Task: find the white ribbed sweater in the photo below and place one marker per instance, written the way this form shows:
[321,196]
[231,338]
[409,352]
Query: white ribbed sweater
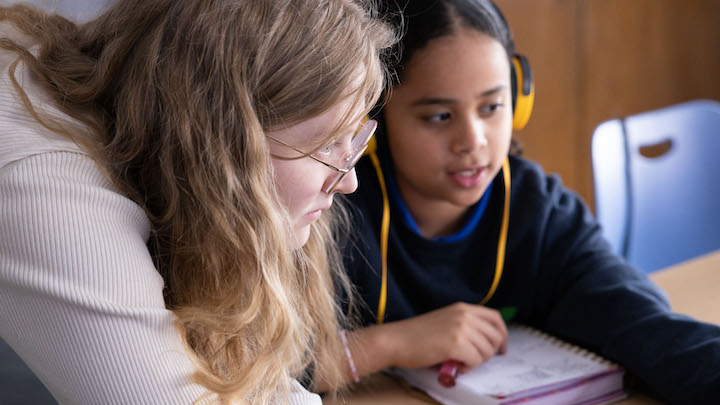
[80,299]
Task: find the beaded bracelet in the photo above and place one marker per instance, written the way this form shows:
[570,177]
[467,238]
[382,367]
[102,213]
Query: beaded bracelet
[353,370]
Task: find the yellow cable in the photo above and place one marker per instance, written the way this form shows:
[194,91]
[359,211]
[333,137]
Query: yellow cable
[385,230]
[384,234]
[502,240]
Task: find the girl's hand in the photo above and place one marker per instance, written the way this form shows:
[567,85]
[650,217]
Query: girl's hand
[464,332]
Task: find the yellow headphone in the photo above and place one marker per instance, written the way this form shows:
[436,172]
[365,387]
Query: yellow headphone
[523,91]
[523,99]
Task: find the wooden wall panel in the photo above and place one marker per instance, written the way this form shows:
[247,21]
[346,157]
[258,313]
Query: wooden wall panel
[599,59]
[642,55]
[544,32]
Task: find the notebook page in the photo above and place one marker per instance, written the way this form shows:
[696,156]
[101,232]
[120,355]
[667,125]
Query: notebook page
[533,359]
[534,363]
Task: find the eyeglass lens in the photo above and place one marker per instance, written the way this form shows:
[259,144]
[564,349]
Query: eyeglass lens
[358,146]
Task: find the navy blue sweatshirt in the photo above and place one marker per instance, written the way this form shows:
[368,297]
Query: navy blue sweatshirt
[560,275]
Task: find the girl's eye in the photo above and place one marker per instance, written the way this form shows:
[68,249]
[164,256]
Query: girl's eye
[491,108]
[435,118]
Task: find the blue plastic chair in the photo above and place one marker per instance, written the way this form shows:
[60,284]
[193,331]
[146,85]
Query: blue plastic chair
[18,384]
[657,183]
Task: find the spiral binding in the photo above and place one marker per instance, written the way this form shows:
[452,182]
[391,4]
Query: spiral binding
[568,346]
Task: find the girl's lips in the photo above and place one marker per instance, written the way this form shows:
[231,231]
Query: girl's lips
[468,178]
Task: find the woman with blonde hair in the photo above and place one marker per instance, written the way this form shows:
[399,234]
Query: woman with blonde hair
[166,177]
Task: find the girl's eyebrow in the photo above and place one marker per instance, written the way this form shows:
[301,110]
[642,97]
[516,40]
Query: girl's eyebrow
[445,101]
[432,101]
[492,91]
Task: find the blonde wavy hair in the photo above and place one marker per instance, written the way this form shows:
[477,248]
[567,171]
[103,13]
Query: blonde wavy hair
[176,97]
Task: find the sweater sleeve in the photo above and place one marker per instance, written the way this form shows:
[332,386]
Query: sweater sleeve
[80,299]
[596,299]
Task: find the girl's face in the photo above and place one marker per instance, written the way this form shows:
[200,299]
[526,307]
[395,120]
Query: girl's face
[300,182]
[449,123]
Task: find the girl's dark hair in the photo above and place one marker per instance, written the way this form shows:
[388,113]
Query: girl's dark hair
[424,20]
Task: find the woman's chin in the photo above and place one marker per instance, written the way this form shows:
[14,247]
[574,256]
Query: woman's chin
[301,236]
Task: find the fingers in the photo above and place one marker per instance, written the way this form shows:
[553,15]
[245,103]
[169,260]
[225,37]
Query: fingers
[484,350]
[468,333]
[495,338]
[494,328]
[478,334]
[486,321]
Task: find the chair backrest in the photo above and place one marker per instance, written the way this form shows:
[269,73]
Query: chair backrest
[657,183]
[18,384]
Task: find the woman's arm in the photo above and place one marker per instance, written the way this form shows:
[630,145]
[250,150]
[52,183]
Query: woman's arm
[80,299]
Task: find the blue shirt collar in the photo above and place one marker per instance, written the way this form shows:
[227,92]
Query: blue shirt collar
[477,211]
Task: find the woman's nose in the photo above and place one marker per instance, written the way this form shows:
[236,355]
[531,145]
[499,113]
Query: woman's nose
[348,184]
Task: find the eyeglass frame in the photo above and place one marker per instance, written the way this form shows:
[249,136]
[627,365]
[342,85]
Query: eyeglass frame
[369,125]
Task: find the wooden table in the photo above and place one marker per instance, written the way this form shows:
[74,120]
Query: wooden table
[692,287]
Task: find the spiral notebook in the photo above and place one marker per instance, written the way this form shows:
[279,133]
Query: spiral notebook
[537,369]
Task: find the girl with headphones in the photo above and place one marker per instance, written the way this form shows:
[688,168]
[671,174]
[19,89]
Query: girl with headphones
[459,235]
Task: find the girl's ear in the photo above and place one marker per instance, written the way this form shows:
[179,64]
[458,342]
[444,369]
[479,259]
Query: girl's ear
[523,91]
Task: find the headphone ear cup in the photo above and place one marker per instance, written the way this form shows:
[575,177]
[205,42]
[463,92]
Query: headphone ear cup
[523,91]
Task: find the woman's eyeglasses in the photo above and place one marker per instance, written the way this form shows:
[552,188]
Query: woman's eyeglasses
[347,160]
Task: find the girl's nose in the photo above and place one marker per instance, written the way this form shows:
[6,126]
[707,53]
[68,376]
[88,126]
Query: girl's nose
[470,137]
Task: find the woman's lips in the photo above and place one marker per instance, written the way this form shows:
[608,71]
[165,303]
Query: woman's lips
[468,178]
[313,215]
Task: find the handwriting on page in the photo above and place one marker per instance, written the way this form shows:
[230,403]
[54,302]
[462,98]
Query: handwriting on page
[537,368]
[530,362]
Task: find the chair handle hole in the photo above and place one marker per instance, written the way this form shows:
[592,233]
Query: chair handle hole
[656,150]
